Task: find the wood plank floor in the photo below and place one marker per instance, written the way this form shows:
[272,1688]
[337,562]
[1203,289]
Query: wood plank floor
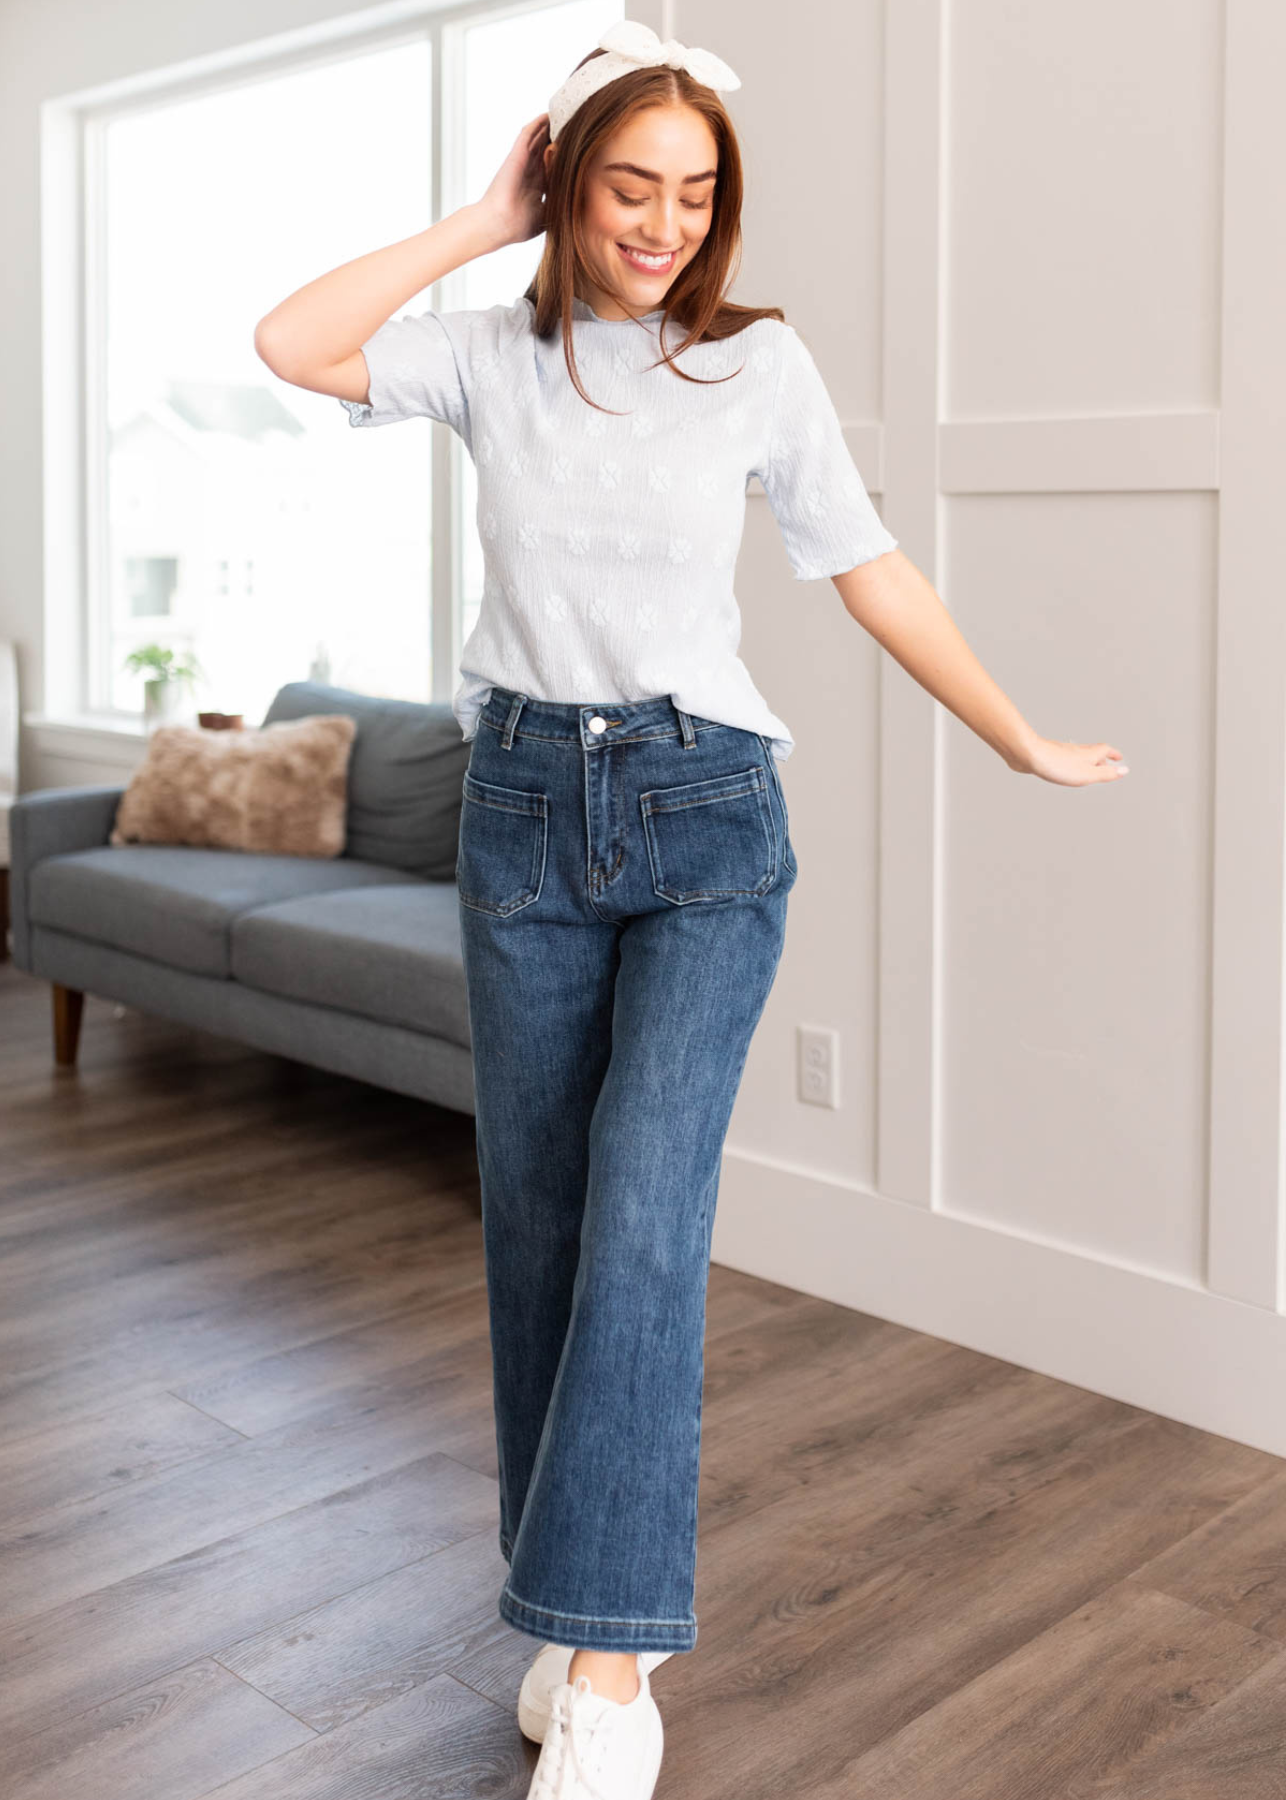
[248,1499]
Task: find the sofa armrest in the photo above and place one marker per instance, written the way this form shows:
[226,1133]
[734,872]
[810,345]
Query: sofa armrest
[51,822]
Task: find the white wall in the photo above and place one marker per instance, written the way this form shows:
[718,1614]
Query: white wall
[1037,254]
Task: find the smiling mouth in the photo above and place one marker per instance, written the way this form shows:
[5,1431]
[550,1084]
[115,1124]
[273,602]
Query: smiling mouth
[640,259]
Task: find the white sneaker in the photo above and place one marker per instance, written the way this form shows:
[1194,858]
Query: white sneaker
[596,1748]
[552,1665]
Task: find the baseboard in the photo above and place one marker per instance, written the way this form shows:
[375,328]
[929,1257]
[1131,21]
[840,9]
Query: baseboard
[1141,1337]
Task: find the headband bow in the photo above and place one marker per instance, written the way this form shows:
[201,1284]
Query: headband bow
[630,45]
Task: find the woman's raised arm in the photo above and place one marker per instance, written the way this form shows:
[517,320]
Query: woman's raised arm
[313,338]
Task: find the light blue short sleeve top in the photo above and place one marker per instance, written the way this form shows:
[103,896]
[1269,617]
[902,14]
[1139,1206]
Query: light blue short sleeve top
[610,539]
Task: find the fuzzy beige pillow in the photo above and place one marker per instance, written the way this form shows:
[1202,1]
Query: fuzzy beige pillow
[281,789]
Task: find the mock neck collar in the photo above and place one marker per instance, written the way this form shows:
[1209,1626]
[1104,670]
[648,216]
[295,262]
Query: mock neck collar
[581,309]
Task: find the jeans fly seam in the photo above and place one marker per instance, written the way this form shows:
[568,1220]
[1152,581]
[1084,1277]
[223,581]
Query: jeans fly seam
[589,841]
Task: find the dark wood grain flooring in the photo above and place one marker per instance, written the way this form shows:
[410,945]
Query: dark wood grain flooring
[248,1509]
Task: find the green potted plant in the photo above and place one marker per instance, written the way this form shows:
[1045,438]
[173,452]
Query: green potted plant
[167,673]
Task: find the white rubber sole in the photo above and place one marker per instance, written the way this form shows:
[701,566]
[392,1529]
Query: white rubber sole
[654,1765]
[533,1720]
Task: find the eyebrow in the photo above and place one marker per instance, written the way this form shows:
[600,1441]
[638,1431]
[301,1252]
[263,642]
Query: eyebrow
[630,168]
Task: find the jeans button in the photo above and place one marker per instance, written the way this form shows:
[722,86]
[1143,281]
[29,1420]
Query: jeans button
[597,724]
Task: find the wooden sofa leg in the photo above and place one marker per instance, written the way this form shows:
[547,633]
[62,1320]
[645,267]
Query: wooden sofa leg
[68,1006]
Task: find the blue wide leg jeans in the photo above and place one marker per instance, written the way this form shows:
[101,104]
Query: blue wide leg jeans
[623,873]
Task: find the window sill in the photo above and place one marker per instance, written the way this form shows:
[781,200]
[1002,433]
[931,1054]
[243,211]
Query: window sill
[117,746]
[87,723]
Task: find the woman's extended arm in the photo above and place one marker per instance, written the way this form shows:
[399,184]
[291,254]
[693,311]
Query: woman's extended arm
[904,613]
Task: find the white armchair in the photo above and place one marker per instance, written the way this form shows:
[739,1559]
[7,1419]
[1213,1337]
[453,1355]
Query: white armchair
[8,775]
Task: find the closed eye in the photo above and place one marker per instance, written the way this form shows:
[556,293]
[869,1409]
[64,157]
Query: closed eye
[692,205]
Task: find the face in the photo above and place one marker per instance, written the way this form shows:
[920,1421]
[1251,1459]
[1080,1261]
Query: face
[648,204]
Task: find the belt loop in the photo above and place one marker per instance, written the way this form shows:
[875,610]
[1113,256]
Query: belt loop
[685,728]
[507,735]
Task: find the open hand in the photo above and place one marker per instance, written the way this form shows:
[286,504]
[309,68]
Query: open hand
[1074,765]
[515,200]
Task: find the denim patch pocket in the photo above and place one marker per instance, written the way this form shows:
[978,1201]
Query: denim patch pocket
[500,862]
[710,840]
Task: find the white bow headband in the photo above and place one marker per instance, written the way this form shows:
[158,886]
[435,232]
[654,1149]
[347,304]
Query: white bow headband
[632,45]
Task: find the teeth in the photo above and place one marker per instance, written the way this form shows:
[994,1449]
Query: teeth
[652,262]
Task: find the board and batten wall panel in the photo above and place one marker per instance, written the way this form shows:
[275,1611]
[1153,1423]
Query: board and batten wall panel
[1066,390]
[1081,208]
[811,220]
[1082,279]
[1076,921]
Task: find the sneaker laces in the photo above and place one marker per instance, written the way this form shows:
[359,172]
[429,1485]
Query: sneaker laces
[561,1774]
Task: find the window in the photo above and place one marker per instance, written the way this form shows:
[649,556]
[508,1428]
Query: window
[495,89]
[232,514]
[149,584]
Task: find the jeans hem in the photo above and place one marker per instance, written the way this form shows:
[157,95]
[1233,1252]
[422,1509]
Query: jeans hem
[584,1632]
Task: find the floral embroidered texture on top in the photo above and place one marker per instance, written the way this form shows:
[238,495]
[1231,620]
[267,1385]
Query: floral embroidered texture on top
[610,542]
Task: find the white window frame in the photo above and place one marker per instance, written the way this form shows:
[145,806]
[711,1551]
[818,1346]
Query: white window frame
[74,361]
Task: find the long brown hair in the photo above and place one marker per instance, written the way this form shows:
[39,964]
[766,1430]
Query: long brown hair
[696,299]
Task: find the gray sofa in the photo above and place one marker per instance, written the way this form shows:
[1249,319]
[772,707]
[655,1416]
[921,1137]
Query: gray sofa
[351,963]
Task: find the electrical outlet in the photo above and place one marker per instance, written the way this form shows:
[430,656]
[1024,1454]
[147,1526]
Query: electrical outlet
[818,1065]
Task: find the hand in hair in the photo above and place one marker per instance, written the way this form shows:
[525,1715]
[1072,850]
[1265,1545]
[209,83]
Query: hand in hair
[515,201]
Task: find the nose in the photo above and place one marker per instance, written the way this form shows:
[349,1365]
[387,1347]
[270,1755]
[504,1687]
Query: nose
[663,225]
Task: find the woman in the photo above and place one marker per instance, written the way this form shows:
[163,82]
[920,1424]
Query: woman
[624,857]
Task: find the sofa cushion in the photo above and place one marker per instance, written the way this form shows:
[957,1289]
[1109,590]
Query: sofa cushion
[175,903]
[391,953]
[405,775]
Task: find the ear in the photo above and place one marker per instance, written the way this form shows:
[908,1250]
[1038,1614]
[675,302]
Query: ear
[551,151]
